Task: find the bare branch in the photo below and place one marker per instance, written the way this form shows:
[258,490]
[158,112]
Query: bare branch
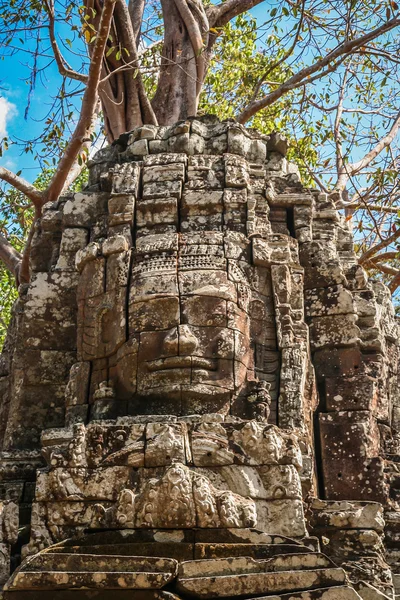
[89,103]
[78,167]
[383,244]
[284,58]
[136,8]
[63,67]
[394,284]
[369,264]
[22,185]
[9,256]
[385,256]
[221,14]
[383,143]
[374,207]
[304,75]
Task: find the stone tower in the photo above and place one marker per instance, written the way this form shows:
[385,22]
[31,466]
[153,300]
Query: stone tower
[200,391]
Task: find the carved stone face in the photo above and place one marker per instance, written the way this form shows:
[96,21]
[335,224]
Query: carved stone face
[190,312]
[199,311]
[187,323]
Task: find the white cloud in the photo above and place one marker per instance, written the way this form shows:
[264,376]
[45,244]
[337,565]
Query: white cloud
[7,111]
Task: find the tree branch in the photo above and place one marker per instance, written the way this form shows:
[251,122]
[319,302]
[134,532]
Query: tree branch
[78,167]
[135,9]
[89,102]
[303,76]
[383,143]
[374,207]
[384,244]
[129,41]
[221,14]
[283,59]
[369,264]
[394,284]
[22,185]
[63,67]
[10,257]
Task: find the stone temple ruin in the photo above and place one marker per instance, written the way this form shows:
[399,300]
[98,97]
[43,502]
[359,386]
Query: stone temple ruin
[199,389]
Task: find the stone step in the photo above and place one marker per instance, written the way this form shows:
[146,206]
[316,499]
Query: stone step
[258,551]
[179,552]
[89,594]
[334,593]
[341,592]
[245,565]
[48,561]
[50,580]
[246,584]
[208,535]
[369,592]
[184,552]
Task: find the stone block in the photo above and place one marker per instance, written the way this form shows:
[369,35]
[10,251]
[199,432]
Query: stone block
[204,310]
[86,255]
[117,271]
[92,279]
[351,393]
[346,362]
[84,209]
[165,443]
[76,392]
[171,172]
[335,330]
[126,178]
[114,245]
[249,581]
[267,482]
[207,283]
[73,239]
[121,209]
[326,515]
[350,451]
[162,190]
[157,211]
[328,301]
[198,203]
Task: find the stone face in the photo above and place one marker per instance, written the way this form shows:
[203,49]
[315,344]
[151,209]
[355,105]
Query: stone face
[198,353]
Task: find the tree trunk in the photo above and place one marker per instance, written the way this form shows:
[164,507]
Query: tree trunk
[183,65]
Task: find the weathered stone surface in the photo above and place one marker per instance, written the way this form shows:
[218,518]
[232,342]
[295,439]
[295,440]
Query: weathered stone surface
[71,572]
[245,582]
[337,593]
[347,515]
[202,336]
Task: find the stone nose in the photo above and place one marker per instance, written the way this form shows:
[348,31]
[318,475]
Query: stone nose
[188,342]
